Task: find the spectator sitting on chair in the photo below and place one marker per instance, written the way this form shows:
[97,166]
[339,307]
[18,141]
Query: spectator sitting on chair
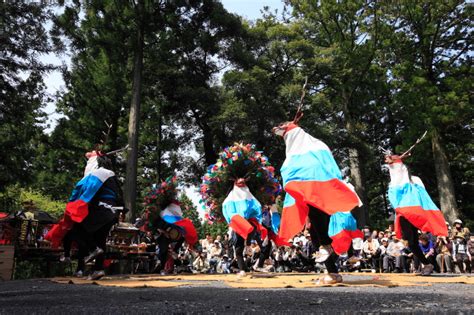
[461,253]
[444,257]
[459,230]
[394,255]
[407,255]
[470,248]
[372,252]
[215,254]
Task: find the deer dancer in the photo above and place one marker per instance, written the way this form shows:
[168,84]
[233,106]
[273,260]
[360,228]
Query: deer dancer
[315,189]
[413,207]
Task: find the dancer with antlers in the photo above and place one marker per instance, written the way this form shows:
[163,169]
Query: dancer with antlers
[164,217]
[413,206]
[315,189]
[92,210]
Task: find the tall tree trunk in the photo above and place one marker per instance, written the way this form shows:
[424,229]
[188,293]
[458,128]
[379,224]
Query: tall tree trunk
[158,145]
[357,177]
[447,196]
[208,142]
[361,213]
[130,194]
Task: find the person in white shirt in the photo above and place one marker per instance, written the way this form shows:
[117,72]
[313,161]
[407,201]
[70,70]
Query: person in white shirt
[394,254]
[372,252]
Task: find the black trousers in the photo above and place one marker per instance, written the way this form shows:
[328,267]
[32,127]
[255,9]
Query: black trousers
[75,235]
[240,246]
[410,234]
[163,245]
[320,236]
[100,240]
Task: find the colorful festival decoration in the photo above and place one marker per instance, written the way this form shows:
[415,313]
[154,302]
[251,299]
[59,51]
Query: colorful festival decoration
[238,162]
[161,201]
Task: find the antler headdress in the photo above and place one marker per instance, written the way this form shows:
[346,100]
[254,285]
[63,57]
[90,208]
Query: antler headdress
[407,152]
[299,111]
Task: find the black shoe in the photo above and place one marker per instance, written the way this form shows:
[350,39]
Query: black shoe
[93,255]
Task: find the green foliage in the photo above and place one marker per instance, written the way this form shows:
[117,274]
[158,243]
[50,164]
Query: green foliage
[22,91]
[190,211]
[15,196]
[214,228]
[379,75]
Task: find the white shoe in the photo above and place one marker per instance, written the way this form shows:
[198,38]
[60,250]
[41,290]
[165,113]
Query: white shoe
[241,273]
[78,274]
[93,255]
[330,278]
[64,259]
[323,254]
[96,275]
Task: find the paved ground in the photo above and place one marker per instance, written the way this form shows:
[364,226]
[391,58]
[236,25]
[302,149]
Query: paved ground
[43,296]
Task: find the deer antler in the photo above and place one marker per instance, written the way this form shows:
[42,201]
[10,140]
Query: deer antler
[407,152]
[385,151]
[106,134]
[117,151]
[299,111]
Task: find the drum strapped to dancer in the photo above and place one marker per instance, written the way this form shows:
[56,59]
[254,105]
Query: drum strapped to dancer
[413,206]
[315,189]
[92,210]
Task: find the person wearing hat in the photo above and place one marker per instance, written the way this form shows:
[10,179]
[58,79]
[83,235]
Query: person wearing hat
[224,265]
[393,255]
[461,253]
[459,230]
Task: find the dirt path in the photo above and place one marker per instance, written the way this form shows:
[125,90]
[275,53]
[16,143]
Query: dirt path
[44,296]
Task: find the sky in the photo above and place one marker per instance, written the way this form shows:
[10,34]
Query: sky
[249,9]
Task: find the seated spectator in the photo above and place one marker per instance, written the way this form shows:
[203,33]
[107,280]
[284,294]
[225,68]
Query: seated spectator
[459,230]
[201,264]
[380,237]
[428,249]
[206,243]
[461,255]
[383,246]
[407,256]
[470,248]
[372,252]
[224,265]
[444,258]
[394,255]
[214,255]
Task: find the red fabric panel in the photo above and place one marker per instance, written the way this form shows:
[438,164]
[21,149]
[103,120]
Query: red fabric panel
[330,196]
[77,210]
[425,220]
[240,226]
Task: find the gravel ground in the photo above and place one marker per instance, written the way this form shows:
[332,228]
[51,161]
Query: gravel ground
[43,296]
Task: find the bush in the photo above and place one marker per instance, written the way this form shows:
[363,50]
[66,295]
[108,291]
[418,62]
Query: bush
[12,198]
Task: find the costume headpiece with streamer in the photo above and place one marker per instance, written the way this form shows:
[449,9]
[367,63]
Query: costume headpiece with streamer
[237,185]
[161,201]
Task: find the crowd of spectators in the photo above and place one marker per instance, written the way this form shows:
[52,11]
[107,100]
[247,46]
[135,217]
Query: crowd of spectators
[378,251]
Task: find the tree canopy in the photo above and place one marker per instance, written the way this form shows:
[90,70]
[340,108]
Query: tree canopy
[379,75]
